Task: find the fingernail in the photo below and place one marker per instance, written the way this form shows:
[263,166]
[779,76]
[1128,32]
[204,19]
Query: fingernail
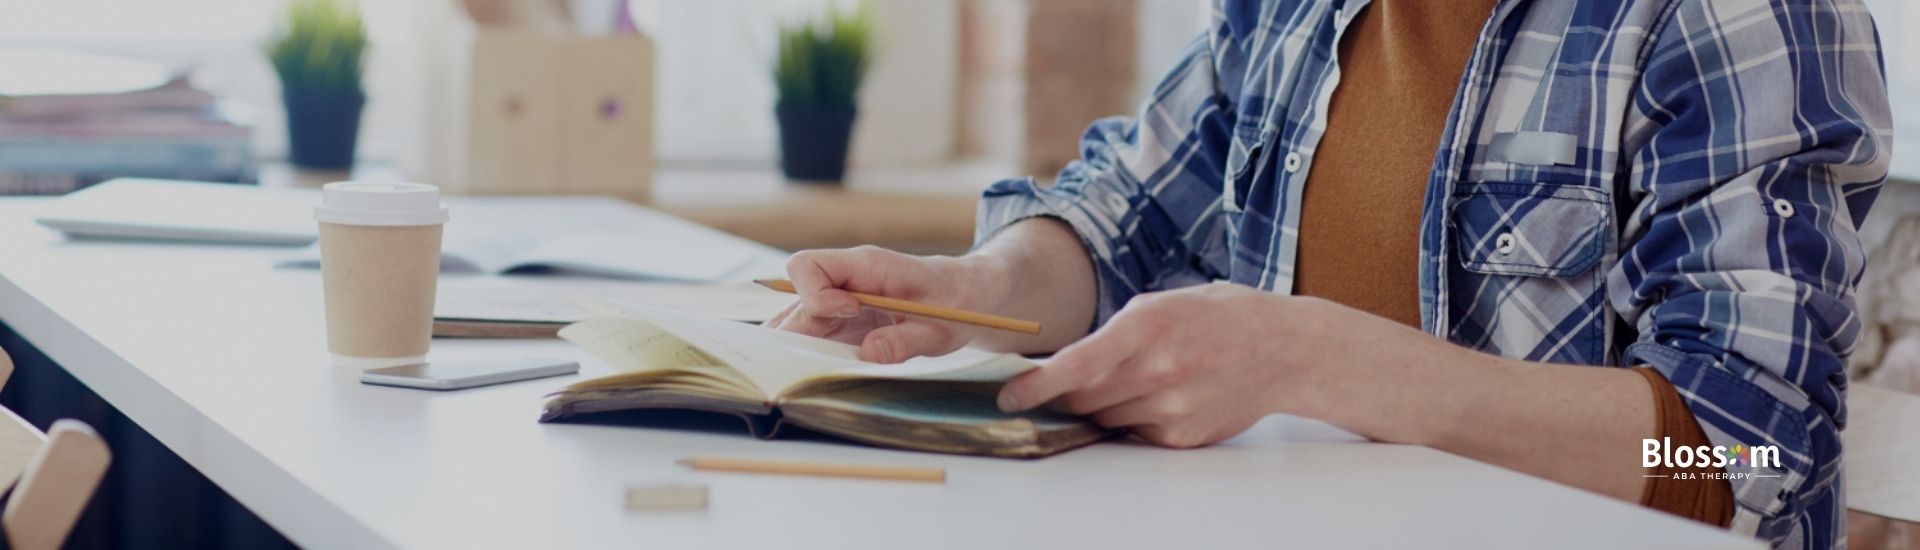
[886,351]
[1009,403]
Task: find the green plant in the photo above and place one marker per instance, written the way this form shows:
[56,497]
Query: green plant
[822,62]
[319,46]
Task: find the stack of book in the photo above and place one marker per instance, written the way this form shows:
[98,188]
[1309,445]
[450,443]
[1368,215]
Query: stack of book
[68,120]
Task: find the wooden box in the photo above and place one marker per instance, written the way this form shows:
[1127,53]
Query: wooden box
[540,113]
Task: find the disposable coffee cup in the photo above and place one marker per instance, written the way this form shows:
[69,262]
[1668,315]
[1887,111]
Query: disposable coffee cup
[379,264]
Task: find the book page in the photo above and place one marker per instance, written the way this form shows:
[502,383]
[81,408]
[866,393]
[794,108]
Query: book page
[776,360]
[557,299]
[635,346]
[467,250]
[461,251]
[691,257]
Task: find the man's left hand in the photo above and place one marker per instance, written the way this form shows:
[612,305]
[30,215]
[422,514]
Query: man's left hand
[1194,366]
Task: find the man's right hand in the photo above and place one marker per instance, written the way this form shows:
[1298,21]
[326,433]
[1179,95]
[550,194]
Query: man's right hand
[826,309]
[1035,269]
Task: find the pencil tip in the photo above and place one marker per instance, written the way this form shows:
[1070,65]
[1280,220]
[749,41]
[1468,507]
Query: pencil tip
[764,282]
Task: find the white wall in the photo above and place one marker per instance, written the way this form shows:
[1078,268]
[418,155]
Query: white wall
[1166,26]
[715,96]
[715,101]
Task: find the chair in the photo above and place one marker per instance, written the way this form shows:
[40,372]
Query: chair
[1883,475]
[56,473]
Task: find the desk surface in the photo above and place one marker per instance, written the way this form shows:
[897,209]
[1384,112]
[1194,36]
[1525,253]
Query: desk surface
[222,358]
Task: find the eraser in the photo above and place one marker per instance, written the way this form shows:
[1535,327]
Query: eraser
[667,497]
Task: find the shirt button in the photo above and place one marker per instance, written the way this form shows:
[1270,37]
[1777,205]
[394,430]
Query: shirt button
[1293,162]
[1504,243]
[1783,208]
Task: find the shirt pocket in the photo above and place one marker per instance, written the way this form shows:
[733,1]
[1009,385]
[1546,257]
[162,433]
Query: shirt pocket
[1529,229]
[1522,281]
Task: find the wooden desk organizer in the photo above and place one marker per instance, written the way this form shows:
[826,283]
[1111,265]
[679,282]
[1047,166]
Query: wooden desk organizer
[543,113]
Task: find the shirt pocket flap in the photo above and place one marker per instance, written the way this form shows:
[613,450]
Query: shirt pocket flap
[1529,229]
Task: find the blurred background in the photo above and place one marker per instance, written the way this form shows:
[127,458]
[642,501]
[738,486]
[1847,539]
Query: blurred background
[797,123]
[957,93]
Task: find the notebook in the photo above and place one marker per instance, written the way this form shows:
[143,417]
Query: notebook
[537,307]
[688,256]
[772,379]
[136,208]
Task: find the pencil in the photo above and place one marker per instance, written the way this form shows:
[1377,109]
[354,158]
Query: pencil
[924,310]
[747,465]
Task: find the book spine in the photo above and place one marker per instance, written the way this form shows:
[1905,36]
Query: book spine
[60,183]
[30,183]
[57,106]
[124,156]
[143,126]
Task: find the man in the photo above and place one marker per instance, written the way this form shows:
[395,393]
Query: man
[1501,189]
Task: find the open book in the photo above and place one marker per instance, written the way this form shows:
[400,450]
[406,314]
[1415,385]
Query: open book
[771,378]
[683,256]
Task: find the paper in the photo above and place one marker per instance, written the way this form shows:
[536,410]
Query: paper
[687,256]
[558,299]
[772,360]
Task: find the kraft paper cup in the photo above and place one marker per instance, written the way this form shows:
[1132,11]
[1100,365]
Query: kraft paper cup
[379,264]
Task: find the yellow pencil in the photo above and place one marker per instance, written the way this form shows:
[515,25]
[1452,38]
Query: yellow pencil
[747,465]
[924,310]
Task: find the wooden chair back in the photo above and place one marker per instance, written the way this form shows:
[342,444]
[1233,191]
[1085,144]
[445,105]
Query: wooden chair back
[53,475]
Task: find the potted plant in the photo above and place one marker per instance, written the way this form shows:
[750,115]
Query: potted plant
[817,72]
[317,53]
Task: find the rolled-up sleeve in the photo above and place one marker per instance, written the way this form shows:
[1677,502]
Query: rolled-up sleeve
[1144,196]
[1758,140]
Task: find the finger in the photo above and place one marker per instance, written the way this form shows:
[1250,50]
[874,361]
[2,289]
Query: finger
[907,340]
[1163,419]
[800,321]
[1074,367]
[1178,437]
[1132,413]
[817,276]
[781,317]
[1138,376]
[853,330]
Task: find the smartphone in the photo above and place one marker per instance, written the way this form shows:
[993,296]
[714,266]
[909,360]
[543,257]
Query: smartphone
[468,374]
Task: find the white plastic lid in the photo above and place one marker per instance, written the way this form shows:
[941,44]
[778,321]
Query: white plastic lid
[370,203]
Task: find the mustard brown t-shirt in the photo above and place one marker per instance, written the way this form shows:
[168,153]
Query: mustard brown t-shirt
[1400,64]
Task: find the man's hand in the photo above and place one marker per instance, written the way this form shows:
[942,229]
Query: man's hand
[825,309]
[1195,366]
[1035,269]
[1184,368]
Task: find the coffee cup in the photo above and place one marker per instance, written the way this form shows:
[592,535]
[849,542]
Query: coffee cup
[379,263]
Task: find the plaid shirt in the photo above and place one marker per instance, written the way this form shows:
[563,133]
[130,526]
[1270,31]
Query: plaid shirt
[1673,183]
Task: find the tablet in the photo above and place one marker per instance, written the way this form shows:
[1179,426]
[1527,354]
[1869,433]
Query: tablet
[174,210]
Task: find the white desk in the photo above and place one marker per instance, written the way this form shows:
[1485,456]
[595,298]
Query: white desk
[222,359]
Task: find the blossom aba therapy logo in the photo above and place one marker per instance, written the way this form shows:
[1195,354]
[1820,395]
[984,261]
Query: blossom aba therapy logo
[1662,453]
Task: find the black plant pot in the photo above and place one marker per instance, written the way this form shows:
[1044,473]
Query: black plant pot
[813,141]
[322,127]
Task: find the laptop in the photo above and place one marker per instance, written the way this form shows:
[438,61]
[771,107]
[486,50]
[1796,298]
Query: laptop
[174,210]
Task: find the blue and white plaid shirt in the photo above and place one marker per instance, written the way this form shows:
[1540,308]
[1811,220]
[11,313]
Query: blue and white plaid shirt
[1673,183]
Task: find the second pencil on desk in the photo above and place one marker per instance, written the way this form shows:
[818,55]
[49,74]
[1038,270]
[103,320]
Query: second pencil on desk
[897,305]
[781,467]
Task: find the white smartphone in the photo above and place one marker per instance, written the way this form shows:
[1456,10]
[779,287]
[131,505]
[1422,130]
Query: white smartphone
[468,374]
